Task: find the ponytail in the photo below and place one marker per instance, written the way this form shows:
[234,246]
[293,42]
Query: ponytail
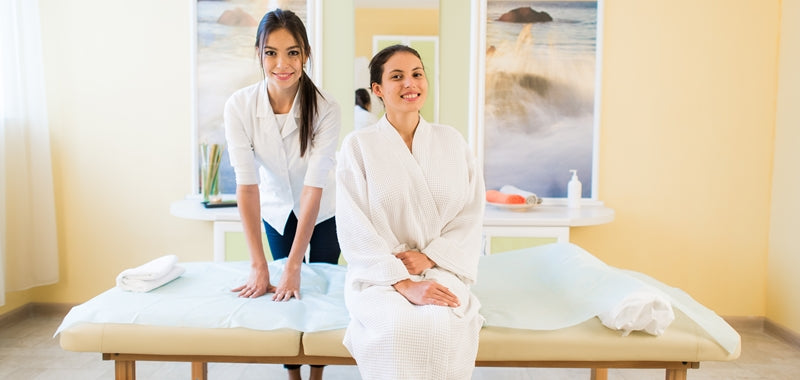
[307,96]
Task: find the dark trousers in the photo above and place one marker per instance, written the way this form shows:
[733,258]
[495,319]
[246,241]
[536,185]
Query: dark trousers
[324,243]
[324,246]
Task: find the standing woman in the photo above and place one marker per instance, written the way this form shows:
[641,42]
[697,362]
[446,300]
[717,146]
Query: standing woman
[410,201]
[282,135]
[362,114]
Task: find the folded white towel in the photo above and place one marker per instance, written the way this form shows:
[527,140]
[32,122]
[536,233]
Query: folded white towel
[530,198]
[150,275]
[640,311]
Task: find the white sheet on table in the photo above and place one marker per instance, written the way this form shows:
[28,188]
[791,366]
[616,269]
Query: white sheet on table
[202,297]
[561,285]
[542,288]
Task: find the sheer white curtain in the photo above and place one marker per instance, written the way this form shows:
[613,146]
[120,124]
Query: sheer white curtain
[28,241]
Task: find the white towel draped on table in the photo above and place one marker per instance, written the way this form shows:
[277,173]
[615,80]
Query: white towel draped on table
[150,275]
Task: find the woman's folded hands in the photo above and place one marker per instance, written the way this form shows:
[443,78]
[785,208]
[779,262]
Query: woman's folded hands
[426,292]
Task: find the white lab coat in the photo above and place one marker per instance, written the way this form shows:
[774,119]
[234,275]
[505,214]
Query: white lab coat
[265,153]
[389,200]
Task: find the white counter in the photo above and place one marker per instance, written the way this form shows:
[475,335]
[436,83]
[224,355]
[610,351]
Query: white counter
[546,220]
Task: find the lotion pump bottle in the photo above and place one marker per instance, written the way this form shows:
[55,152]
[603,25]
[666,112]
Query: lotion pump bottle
[574,191]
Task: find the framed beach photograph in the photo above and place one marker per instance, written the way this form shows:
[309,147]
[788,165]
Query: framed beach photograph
[225,61]
[538,94]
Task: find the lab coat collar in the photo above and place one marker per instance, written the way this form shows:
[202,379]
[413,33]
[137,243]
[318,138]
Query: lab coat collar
[264,110]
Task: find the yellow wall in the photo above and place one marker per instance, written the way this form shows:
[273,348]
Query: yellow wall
[689,92]
[15,300]
[783,282]
[119,99]
[388,21]
[687,121]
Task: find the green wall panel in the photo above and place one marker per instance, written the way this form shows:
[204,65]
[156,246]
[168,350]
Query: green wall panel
[236,248]
[504,244]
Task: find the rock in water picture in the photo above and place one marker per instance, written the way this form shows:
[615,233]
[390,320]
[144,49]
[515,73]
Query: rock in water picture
[539,95]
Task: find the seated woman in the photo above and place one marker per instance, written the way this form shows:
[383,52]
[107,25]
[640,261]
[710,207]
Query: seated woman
[410,202]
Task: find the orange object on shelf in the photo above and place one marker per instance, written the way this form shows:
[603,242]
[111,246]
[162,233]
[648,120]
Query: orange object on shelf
[495,196]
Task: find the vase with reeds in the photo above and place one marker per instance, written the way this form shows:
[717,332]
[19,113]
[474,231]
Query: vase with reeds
[210,156]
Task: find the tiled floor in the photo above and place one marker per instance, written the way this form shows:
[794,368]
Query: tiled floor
[28,351]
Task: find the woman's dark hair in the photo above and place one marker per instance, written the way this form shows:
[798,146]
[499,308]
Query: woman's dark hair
[307,93]
[362,98]
[379,60]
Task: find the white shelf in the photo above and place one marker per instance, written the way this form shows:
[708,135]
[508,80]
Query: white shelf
[547,220]
[194,209]
[549,216]
[540,216]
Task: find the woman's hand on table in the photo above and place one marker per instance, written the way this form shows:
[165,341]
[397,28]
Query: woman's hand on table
[416,262]
[426,293]
[289,285]
[257,284]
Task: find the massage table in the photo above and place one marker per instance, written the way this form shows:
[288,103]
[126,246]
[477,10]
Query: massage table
[193,319]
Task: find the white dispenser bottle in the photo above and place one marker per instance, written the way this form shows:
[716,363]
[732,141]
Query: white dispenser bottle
[574,190]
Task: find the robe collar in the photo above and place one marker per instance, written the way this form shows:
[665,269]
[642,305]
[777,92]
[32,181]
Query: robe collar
[423,128]
[422,197]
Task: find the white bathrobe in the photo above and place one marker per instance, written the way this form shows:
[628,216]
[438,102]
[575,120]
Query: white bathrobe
[390,200]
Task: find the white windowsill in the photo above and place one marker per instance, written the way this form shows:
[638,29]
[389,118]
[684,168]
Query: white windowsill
[549,214]
[552,219]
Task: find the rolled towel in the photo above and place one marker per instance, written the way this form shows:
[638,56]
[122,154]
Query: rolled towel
[150,275]
[530,198]
[495,196]
[640,311]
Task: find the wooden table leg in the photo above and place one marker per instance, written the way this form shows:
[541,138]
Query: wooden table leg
[125,370]
[199,371]
[676,374]
[599,374]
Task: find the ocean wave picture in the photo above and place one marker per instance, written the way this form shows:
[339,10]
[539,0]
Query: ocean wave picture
[540,95]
